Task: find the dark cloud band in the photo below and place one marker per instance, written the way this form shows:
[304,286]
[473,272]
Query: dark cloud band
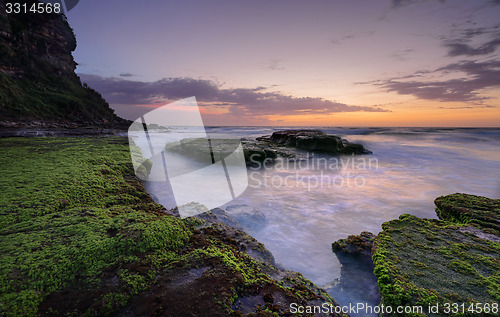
[254,102]
[480,75]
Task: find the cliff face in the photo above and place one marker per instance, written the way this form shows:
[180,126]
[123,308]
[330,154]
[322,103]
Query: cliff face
[37,78]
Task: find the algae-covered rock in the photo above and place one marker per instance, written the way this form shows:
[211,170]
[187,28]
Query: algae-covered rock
[478,211]
[356,245]
[356,273]
[422,262]
[81,237]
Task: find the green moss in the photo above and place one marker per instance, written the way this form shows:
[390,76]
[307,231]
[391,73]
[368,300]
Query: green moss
[238,262]
[421,262]
[136,282]
[480,211]
[62,219]
[80,236]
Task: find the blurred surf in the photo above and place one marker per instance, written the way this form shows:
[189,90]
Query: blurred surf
[414,166]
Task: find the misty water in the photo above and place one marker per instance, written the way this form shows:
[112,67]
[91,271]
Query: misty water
[298,209]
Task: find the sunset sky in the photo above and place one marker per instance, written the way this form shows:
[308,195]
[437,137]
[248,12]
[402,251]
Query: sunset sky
[303,63]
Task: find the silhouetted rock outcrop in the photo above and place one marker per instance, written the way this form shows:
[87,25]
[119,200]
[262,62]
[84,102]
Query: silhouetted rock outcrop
[316,140]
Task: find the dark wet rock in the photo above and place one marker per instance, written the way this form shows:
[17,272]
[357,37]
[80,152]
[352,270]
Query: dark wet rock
[295,144]
[356,273]
[258,152]
[207,151]
[27,129]
[247,244]
[288,144]
[226,222]
[316,140]
[220,147]
[218,215]
[236,278]
[203,149]
[428,261]
[355,245]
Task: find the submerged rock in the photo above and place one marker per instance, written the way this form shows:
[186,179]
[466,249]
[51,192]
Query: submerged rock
[436,262]
[247,216]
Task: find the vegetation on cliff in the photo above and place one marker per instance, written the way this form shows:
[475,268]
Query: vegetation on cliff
[80,236]
[37,78]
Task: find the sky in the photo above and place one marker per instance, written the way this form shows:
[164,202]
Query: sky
[296,63]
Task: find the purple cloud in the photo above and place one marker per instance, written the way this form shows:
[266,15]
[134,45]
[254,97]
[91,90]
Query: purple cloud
[248,101]
[466,89]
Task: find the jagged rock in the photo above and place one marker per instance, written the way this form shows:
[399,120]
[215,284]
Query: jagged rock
[291,144]
[316,140]
[258,152]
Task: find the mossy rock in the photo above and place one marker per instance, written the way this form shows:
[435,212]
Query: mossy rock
[481,212]
[426,262]
[80,236]
[355,244]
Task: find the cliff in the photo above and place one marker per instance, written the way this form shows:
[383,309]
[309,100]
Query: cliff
[37,73]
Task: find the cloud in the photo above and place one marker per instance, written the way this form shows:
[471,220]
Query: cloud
[479,75]
[460,44]
[402,55]
[351,36]
[456,49]
[237,101]
[402,3]
[126,75]
[273,65]
[468,107]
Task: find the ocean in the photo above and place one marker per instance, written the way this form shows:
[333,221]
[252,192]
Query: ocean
[298,209]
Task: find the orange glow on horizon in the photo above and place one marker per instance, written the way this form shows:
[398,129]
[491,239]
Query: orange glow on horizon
[485,117]
[416,114]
